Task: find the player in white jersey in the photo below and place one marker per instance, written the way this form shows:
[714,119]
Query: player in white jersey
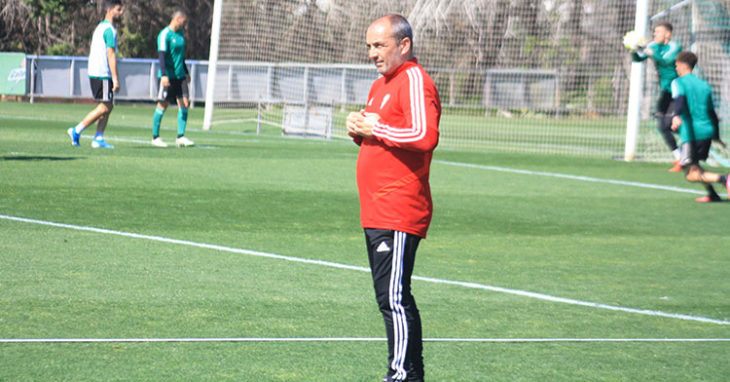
[103,75]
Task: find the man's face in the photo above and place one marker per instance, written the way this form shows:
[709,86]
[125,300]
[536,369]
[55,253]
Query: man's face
[662,35]
[386,52]
[116,13]
[180,22]
[682,68]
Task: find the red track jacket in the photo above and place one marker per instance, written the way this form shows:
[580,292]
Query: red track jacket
[393,166]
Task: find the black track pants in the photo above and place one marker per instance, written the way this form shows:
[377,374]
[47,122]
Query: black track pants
[392,255]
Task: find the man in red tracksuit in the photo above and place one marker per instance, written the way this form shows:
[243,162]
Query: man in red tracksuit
[397,133]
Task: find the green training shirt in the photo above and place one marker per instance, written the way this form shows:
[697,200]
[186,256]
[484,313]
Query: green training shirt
[696,122]
[664,57]
[173,44]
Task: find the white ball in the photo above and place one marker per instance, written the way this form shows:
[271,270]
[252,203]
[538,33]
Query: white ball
[633,40]
[324,5]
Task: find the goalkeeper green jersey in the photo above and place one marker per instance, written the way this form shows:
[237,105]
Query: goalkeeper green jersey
[664,57]
[172,43]
[696,121]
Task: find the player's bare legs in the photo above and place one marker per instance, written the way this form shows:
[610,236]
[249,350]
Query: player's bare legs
[101,110]
[696,174]
[103,118]
[101,123]
[183,102]
[100,115]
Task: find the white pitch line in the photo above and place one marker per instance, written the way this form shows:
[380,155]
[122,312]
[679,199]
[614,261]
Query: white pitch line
[211,339]
[573,177]
[571,301]
[471,285]
[187,243]
[346,339]
[577,339]
[146,142]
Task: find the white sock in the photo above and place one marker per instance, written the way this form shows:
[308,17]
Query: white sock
[79,128]
[677,154]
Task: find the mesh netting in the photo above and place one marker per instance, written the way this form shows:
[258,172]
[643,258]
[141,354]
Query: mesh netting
[546,76]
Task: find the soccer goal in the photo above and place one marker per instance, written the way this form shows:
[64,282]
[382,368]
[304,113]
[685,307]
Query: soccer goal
[513,75]
[700,26]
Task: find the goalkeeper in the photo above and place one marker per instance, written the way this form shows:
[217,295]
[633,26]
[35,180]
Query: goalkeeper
[663,51]
[174,79]
[697,123]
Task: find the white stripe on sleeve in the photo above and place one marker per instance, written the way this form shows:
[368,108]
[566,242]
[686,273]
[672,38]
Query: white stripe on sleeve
[417,130]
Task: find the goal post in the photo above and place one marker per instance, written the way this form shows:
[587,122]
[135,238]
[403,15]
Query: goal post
[212,64]
[633,115]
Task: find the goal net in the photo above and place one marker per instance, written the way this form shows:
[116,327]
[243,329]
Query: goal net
[546,76]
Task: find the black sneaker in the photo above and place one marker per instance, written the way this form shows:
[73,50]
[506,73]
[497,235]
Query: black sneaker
[389,378]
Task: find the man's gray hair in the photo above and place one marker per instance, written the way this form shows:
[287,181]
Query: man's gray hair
[401,27]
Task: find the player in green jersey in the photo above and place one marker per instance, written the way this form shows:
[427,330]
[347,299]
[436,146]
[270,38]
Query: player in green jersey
[697,124]
[663,51]
[174,79]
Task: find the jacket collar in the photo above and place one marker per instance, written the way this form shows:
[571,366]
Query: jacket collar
[405,66]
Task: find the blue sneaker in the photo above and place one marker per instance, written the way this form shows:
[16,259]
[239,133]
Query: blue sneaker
[101,143]
[74,136]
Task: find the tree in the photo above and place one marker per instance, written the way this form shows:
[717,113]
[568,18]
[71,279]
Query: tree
[15,23]
[64,27]
[44,26]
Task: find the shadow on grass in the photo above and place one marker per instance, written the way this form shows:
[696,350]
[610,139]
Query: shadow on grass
[38,158]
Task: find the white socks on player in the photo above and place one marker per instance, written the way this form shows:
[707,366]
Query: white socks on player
[677,154]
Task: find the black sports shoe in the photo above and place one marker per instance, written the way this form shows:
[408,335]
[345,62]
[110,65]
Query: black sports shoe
[389,378]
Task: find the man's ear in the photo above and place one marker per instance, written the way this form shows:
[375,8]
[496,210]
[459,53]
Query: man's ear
[405,45]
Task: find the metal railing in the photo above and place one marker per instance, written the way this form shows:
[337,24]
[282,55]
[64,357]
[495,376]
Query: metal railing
[66,77]
[257,82]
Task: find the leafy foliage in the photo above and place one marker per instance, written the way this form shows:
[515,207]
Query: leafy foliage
[64,27]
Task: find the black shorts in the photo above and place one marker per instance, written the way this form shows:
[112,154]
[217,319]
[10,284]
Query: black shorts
[694,152]
[178,89]
[101,90]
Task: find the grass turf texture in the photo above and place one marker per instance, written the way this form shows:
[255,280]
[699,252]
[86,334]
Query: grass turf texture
[610,244]
[469,129]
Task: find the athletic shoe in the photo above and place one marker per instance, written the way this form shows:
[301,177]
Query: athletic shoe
[183,142]
[390,379]
[708,199]
[158,142]
[101,143]
[74,136]
[676,168]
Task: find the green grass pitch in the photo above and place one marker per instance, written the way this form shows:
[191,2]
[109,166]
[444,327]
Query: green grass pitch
[644,245]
